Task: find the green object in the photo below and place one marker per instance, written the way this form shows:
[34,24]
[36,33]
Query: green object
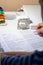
[2,22]
[1,12]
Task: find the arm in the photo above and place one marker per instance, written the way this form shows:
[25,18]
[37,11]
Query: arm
[36,58]
[14,53]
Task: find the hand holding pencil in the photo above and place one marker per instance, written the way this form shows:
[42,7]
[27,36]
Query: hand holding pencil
[39,29]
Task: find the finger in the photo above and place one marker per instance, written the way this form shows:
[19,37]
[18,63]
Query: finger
[40,30]
[39,25]
[40,34]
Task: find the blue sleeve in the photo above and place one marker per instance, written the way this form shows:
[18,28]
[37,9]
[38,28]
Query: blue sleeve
[34,59]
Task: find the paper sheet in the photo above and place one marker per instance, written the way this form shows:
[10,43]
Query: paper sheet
[24,40]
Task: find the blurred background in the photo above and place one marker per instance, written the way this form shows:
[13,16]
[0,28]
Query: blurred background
[11,5]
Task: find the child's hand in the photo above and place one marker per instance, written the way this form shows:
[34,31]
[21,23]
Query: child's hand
[39,29]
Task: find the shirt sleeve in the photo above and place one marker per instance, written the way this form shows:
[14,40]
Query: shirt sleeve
[35,58]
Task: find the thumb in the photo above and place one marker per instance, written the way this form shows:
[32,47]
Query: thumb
[40,31]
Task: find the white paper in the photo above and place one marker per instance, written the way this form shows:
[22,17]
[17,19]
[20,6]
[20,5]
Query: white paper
[24,40]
